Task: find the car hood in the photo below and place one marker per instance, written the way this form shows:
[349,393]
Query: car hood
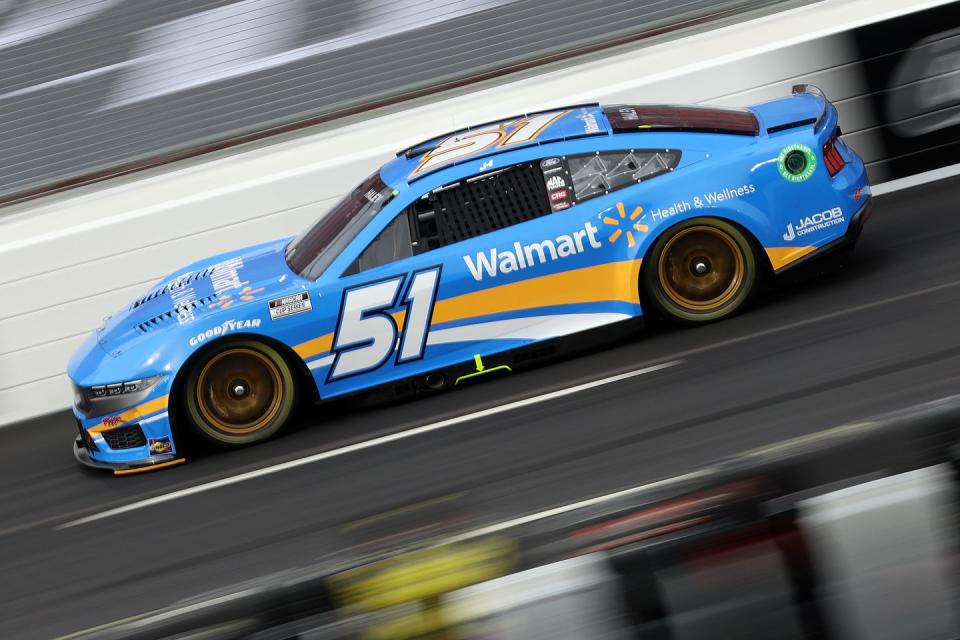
[210,286]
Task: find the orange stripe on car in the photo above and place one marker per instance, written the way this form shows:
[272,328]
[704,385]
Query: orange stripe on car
[309,348]
[782,256]
[324,343]
[613,281]
[140,411]
[149,467]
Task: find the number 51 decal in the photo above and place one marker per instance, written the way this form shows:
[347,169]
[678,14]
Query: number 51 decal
[366,334]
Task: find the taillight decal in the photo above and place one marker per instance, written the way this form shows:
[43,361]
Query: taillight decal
[832,157]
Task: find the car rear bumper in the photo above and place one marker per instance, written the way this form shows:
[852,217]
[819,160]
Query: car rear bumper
[846,241]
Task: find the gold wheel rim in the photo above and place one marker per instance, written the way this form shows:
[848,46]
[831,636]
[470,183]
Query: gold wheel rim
[239,391]
[701,268]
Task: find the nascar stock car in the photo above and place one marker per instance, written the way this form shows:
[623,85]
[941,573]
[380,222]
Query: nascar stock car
[473,245]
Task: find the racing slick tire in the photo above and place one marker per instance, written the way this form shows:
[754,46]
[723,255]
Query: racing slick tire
[240,393]
[701,270]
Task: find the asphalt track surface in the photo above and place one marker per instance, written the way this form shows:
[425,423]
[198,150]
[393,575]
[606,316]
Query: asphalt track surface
[879,335]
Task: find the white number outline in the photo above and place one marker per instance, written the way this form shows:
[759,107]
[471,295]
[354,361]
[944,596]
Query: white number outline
[439,155]
[398,340]
[409,302]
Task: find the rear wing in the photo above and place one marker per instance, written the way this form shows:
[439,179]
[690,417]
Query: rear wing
[809,89]
[633,118]
[805,106]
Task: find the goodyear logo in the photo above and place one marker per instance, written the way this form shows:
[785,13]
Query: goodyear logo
[227,327]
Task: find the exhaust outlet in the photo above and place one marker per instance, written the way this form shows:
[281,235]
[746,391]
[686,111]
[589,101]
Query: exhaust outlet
[435,381]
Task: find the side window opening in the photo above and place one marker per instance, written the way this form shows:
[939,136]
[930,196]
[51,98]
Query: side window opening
[391,244]
[423,224]
[491,201]
[460,211]
[478,205]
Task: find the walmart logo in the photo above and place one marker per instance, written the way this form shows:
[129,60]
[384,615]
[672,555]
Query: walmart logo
[630,225]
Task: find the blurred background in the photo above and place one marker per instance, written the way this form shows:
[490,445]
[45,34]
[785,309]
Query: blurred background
[99,86]
[719,498]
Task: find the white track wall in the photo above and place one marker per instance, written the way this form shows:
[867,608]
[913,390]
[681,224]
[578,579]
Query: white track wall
[68,260]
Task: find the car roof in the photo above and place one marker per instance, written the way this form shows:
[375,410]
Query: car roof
[561,124]
[554,125]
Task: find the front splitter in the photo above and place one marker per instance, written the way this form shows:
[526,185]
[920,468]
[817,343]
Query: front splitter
[124,468]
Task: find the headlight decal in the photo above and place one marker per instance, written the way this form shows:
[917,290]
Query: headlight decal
[131,386]
[99,400]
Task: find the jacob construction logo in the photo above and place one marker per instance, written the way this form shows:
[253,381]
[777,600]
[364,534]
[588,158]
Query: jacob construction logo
[816,222]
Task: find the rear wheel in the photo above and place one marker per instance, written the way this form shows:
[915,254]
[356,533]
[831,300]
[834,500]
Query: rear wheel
[702,270]
[240,394]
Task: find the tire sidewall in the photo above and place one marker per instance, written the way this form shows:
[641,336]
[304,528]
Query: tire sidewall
[210,434]
[652,288]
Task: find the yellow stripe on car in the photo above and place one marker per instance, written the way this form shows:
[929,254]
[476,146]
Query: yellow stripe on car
[610,282]
[149,467]
[140,411]
[782,256]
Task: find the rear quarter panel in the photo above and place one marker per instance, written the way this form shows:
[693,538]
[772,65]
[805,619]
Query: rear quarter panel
[738,178]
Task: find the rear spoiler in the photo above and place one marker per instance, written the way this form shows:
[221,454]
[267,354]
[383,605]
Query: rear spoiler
[809,89]
[636,118]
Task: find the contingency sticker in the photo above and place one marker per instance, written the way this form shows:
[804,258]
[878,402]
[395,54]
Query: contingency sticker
[290,305]
[559,190]
[797,163]
[160,446]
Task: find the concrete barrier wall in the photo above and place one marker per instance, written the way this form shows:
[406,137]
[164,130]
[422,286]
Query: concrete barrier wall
[90,87]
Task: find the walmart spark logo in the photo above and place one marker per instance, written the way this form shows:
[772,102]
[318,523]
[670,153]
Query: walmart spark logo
[226,301]
[249,293]
[223,302]
[630,225]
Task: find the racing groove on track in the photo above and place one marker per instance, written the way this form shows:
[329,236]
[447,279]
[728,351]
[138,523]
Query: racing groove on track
[846,346]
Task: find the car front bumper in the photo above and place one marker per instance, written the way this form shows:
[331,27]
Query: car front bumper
[138,438]
[82,456]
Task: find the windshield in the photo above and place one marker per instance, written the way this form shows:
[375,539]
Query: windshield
[314,249]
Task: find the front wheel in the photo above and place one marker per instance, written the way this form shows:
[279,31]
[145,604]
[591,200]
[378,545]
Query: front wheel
[239,394]
[702,270]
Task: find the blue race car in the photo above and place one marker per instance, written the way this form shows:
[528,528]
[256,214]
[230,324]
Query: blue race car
[465,249]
